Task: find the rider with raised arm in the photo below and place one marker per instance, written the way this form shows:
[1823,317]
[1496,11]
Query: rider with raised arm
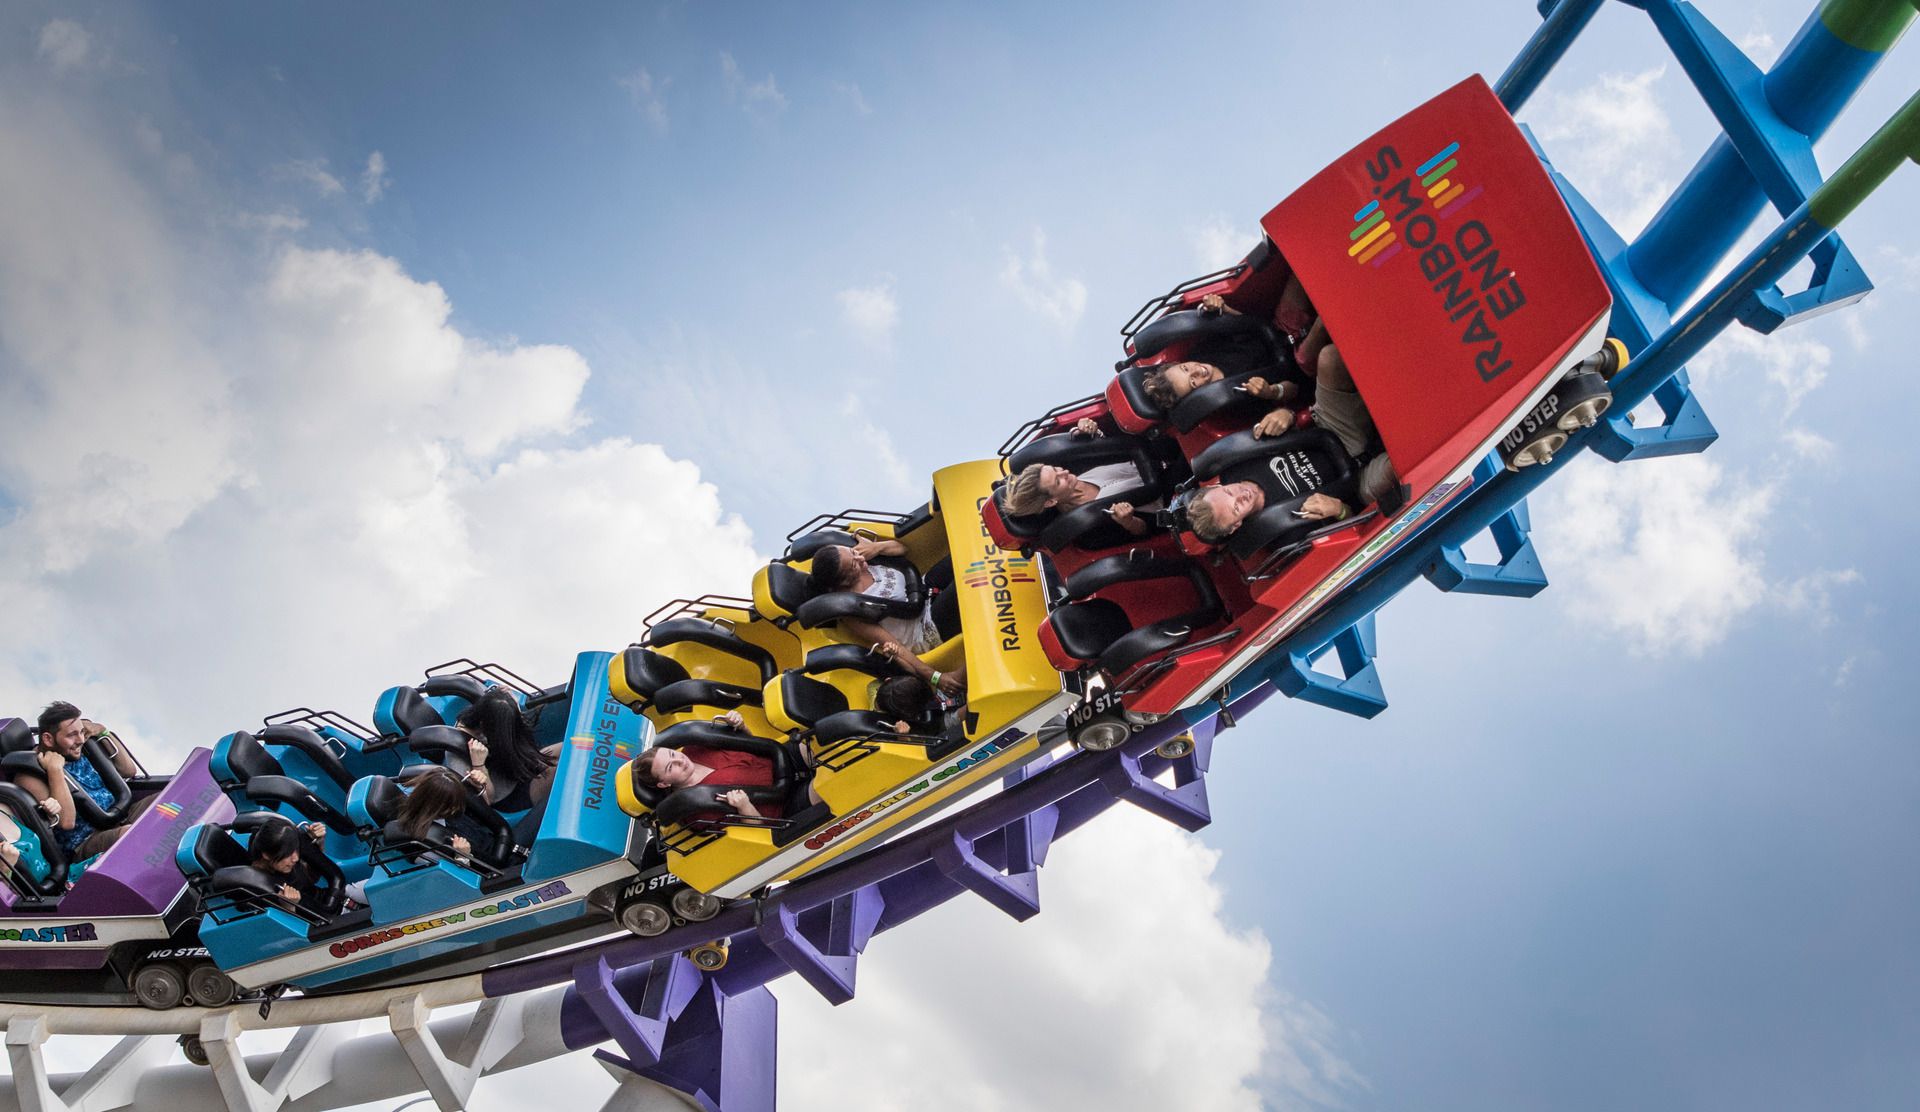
[850,568]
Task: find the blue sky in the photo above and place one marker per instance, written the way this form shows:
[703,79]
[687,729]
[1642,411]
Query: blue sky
[631,291]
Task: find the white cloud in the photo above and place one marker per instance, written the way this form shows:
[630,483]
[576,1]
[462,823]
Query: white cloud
[374,179]
[311,172]
[649,96]
[1665,553]
[248,483]
[1759,43]
[1793,363]
[1810,597]
[762,100]
[1031,279]
[1219,243]
[1615,140]
[64,44]
[1902,266]
[272,223]
[1184,1021]
[855,98]
[871,312]
[879,456]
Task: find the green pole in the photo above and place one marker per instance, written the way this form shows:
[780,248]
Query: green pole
[1869,25]
[1873,163]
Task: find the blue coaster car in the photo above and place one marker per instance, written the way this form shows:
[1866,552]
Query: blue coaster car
[433,912]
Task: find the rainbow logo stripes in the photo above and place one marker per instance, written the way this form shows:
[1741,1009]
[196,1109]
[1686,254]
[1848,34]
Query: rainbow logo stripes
[170,810]
[1373,239]
[1373,235]
[1014,569]
[581,741]
[1445,193]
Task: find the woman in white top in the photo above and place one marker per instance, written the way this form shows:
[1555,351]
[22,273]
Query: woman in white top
[849,568]
[1042,486]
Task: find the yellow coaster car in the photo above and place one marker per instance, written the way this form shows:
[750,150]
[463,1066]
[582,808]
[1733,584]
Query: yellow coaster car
[796,663]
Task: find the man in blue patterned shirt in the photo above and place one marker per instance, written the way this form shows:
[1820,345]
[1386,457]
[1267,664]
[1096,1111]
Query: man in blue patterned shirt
[63,736]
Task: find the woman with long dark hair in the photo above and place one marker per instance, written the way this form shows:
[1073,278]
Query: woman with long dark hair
[517,774]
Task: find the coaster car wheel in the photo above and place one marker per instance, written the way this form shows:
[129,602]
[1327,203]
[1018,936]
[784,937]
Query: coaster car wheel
[209,987]
[1102,732]
[159,986]
[645,918]
[709,956]
[696,907]
[195,1050]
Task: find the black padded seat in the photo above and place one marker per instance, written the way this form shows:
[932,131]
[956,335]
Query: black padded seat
[664,683]
[702,799]
[787,587]
[1306,461]
[1078,454]
[805,547]
[1085,629]
[412,711]
[458,684]
[384,799]
[217,849]
[851,658]
[1223,339]
[1099,631]
[214,848]
[313,746]
[675,806]
[16,735]
[1226,398]
[807,700]
[17,754]
[445,746]
[835,606]
[713,635]
[26,811]
[260,778]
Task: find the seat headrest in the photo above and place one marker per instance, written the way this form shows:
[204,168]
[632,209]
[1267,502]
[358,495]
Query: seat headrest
[315,748]
[854,658]
[1127,400]
[376,801]
[713,635]
[640,673]
[208,848]
[245,757]
[805,547]
[787,587]
[1077,454]
[402,710]
[806,700]
[16,735]
[443,745]
[458,685]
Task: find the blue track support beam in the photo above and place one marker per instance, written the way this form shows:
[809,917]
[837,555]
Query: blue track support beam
[1356,692]
[1017,894]
[1564,20]
[671,984]
[1184,805]
[722,1054]
[1805,90]
[1683,428]
[1517,575]
[850,922]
